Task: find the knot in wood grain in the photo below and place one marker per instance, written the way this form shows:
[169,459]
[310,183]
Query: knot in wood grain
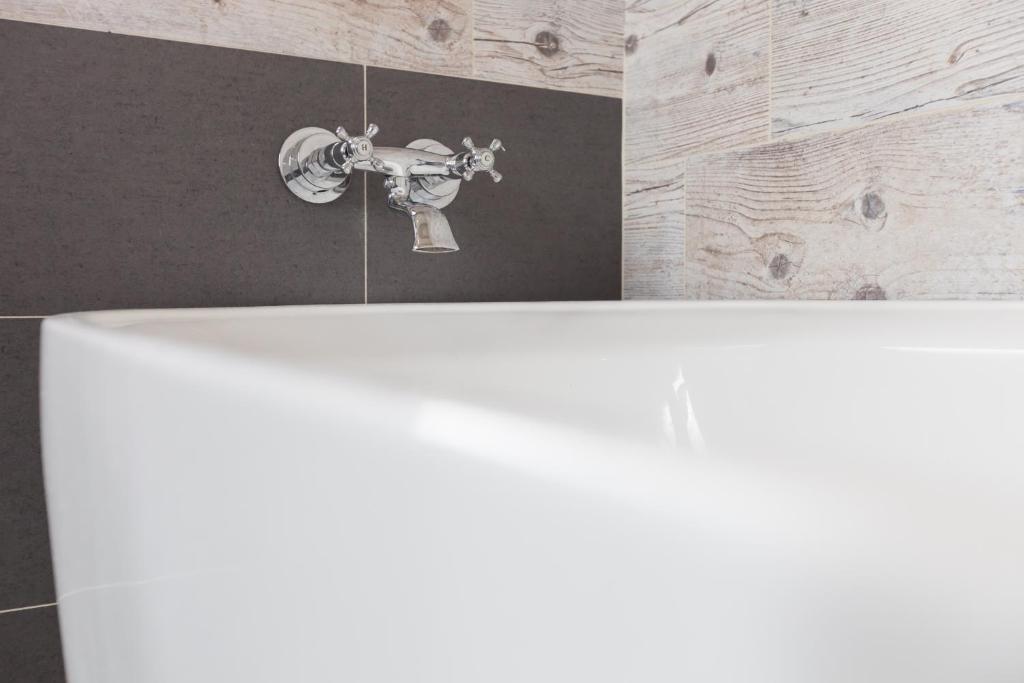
[440,30]
[872,207]
[872,210]
[781,253]
[710,64]
[871,292]
[546,43]
[779,266]
[632,41]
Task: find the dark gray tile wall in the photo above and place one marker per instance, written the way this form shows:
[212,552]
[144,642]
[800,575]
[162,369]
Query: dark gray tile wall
[29,639]
[30,647]
[550,230]
[25,574]
[140,173]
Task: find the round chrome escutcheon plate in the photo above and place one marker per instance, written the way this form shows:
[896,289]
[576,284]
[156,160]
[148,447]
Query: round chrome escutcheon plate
[298,146]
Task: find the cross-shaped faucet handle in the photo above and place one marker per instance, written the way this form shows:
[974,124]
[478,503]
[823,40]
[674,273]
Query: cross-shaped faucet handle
[481,158]
[371,130]
[360,148]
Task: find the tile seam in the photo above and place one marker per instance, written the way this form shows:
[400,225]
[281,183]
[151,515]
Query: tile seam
[396,67]
[366,182]
[27,608]
[622,164]
[780,138]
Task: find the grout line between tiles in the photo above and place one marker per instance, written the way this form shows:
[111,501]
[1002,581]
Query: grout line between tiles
[23,317]
[771,61]
[561,89]
[622,172]
[396,66]
[25,609]
[682,275]
[787,138]
[366,231]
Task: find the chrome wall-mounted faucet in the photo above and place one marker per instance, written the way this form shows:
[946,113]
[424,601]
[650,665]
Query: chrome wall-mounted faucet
[421,178]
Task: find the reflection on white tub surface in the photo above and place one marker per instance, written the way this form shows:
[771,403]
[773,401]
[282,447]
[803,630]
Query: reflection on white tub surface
[539,492]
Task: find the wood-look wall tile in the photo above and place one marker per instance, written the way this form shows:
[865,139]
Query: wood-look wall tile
[926,208]
[696,78]
[563,44]
[425,36]
[837,63]
[653,238]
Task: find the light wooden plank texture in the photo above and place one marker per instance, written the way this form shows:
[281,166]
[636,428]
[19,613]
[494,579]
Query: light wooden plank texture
[839,62]
[653,240]
[431,36]
[696,77]
[929,207]
[564,44]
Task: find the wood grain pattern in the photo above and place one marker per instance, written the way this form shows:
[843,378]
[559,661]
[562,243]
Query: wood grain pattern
[564,44]
[931,207]
[653,240]
[422,35]
[696,77]
[837,62]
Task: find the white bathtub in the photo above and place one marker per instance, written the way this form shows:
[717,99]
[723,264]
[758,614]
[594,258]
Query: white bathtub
[531,493]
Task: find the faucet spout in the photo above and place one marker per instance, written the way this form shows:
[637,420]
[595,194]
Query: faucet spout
[431,232]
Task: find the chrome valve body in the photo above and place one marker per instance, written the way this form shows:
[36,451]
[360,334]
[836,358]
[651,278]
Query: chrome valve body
[421,178]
